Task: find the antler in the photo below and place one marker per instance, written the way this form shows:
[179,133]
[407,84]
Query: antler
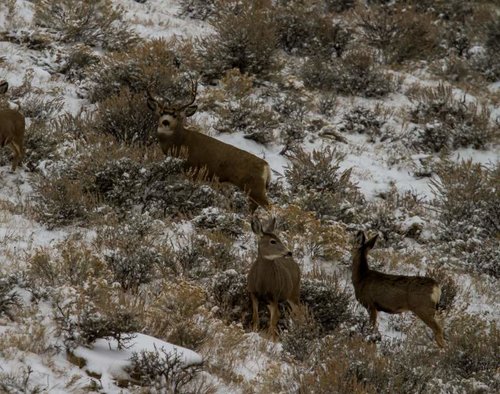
[194,89]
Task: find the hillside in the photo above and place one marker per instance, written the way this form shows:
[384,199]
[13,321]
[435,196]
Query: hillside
[121,272]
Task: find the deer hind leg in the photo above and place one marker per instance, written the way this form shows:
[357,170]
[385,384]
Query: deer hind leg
[428,316]
[17,155]
[373,316]
[274,317]
[255,312]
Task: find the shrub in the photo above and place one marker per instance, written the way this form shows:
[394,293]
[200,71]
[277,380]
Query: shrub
[19,382]
[41,144]
[327,302]
[126,117]
[472,350]
[162,370]
[244,39]
[366,121]
[177,314]
[486,258]
[9,299]
[130,251]
[228,290]
[317,184]
[467,201]
[60,201]
[198,9]
[300,336]
[303,28]
[90,22]
[92,312]
[78,62]
[448,122]
[449,288]
[393,30]
[41,109]
[355,73]
[158,65]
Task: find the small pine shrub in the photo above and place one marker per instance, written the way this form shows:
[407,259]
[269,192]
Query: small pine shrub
[88,21]
[244,38]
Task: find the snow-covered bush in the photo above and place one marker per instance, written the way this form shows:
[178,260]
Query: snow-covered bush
[467,201]
[244,38]
[228,290]
[40,108]
[327,301]
[130,251]
[78,62]
[303,28]
[198,9]
[9,299]
[61,200]
[317,184]
[229,224]
[161,370]
[300,336]
[355,73]
[158,65]
[446,122]
[365,121]
[486,258]
[88,21]
[126,117]
[394,31]
[449,288]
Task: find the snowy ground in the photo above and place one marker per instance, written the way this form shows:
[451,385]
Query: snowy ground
[21,236]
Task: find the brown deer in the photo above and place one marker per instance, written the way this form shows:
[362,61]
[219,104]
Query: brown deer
[377,291]
[12,126]
[220,160]
[273,277]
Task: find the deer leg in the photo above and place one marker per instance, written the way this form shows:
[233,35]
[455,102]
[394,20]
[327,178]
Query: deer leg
[255,312]
[273,321]
[295,307]
[373,316]
[428,316]
[17,155]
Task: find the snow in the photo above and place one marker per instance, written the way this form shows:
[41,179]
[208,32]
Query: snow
[104,357]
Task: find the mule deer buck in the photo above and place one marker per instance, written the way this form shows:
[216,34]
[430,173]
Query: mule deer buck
[220,160]
[273,277]
[377,291]
[12,126]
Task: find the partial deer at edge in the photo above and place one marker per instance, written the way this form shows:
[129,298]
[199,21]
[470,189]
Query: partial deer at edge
[12,127]
[273,277]
[222,161]
[377,291]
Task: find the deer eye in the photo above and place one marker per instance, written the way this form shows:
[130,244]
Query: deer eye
[165,123]
[273,241]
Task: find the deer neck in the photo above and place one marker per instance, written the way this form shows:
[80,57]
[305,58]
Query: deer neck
[359,267]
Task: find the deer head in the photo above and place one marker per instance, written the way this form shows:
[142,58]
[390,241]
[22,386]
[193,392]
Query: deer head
[269,245]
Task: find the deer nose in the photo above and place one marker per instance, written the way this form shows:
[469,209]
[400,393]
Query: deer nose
[165,123]
[289,254]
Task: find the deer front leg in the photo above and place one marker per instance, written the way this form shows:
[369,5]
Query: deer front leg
[273,321]
[255,312]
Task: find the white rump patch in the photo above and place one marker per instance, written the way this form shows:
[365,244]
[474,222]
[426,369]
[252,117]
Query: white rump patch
[436,294]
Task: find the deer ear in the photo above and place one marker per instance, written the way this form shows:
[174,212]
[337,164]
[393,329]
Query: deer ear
[271,225]
[360,238]
[189,111]
[256,226]
[153,105]
[371,242]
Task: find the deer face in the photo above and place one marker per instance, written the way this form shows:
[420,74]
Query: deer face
[269,245]
[170,118]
